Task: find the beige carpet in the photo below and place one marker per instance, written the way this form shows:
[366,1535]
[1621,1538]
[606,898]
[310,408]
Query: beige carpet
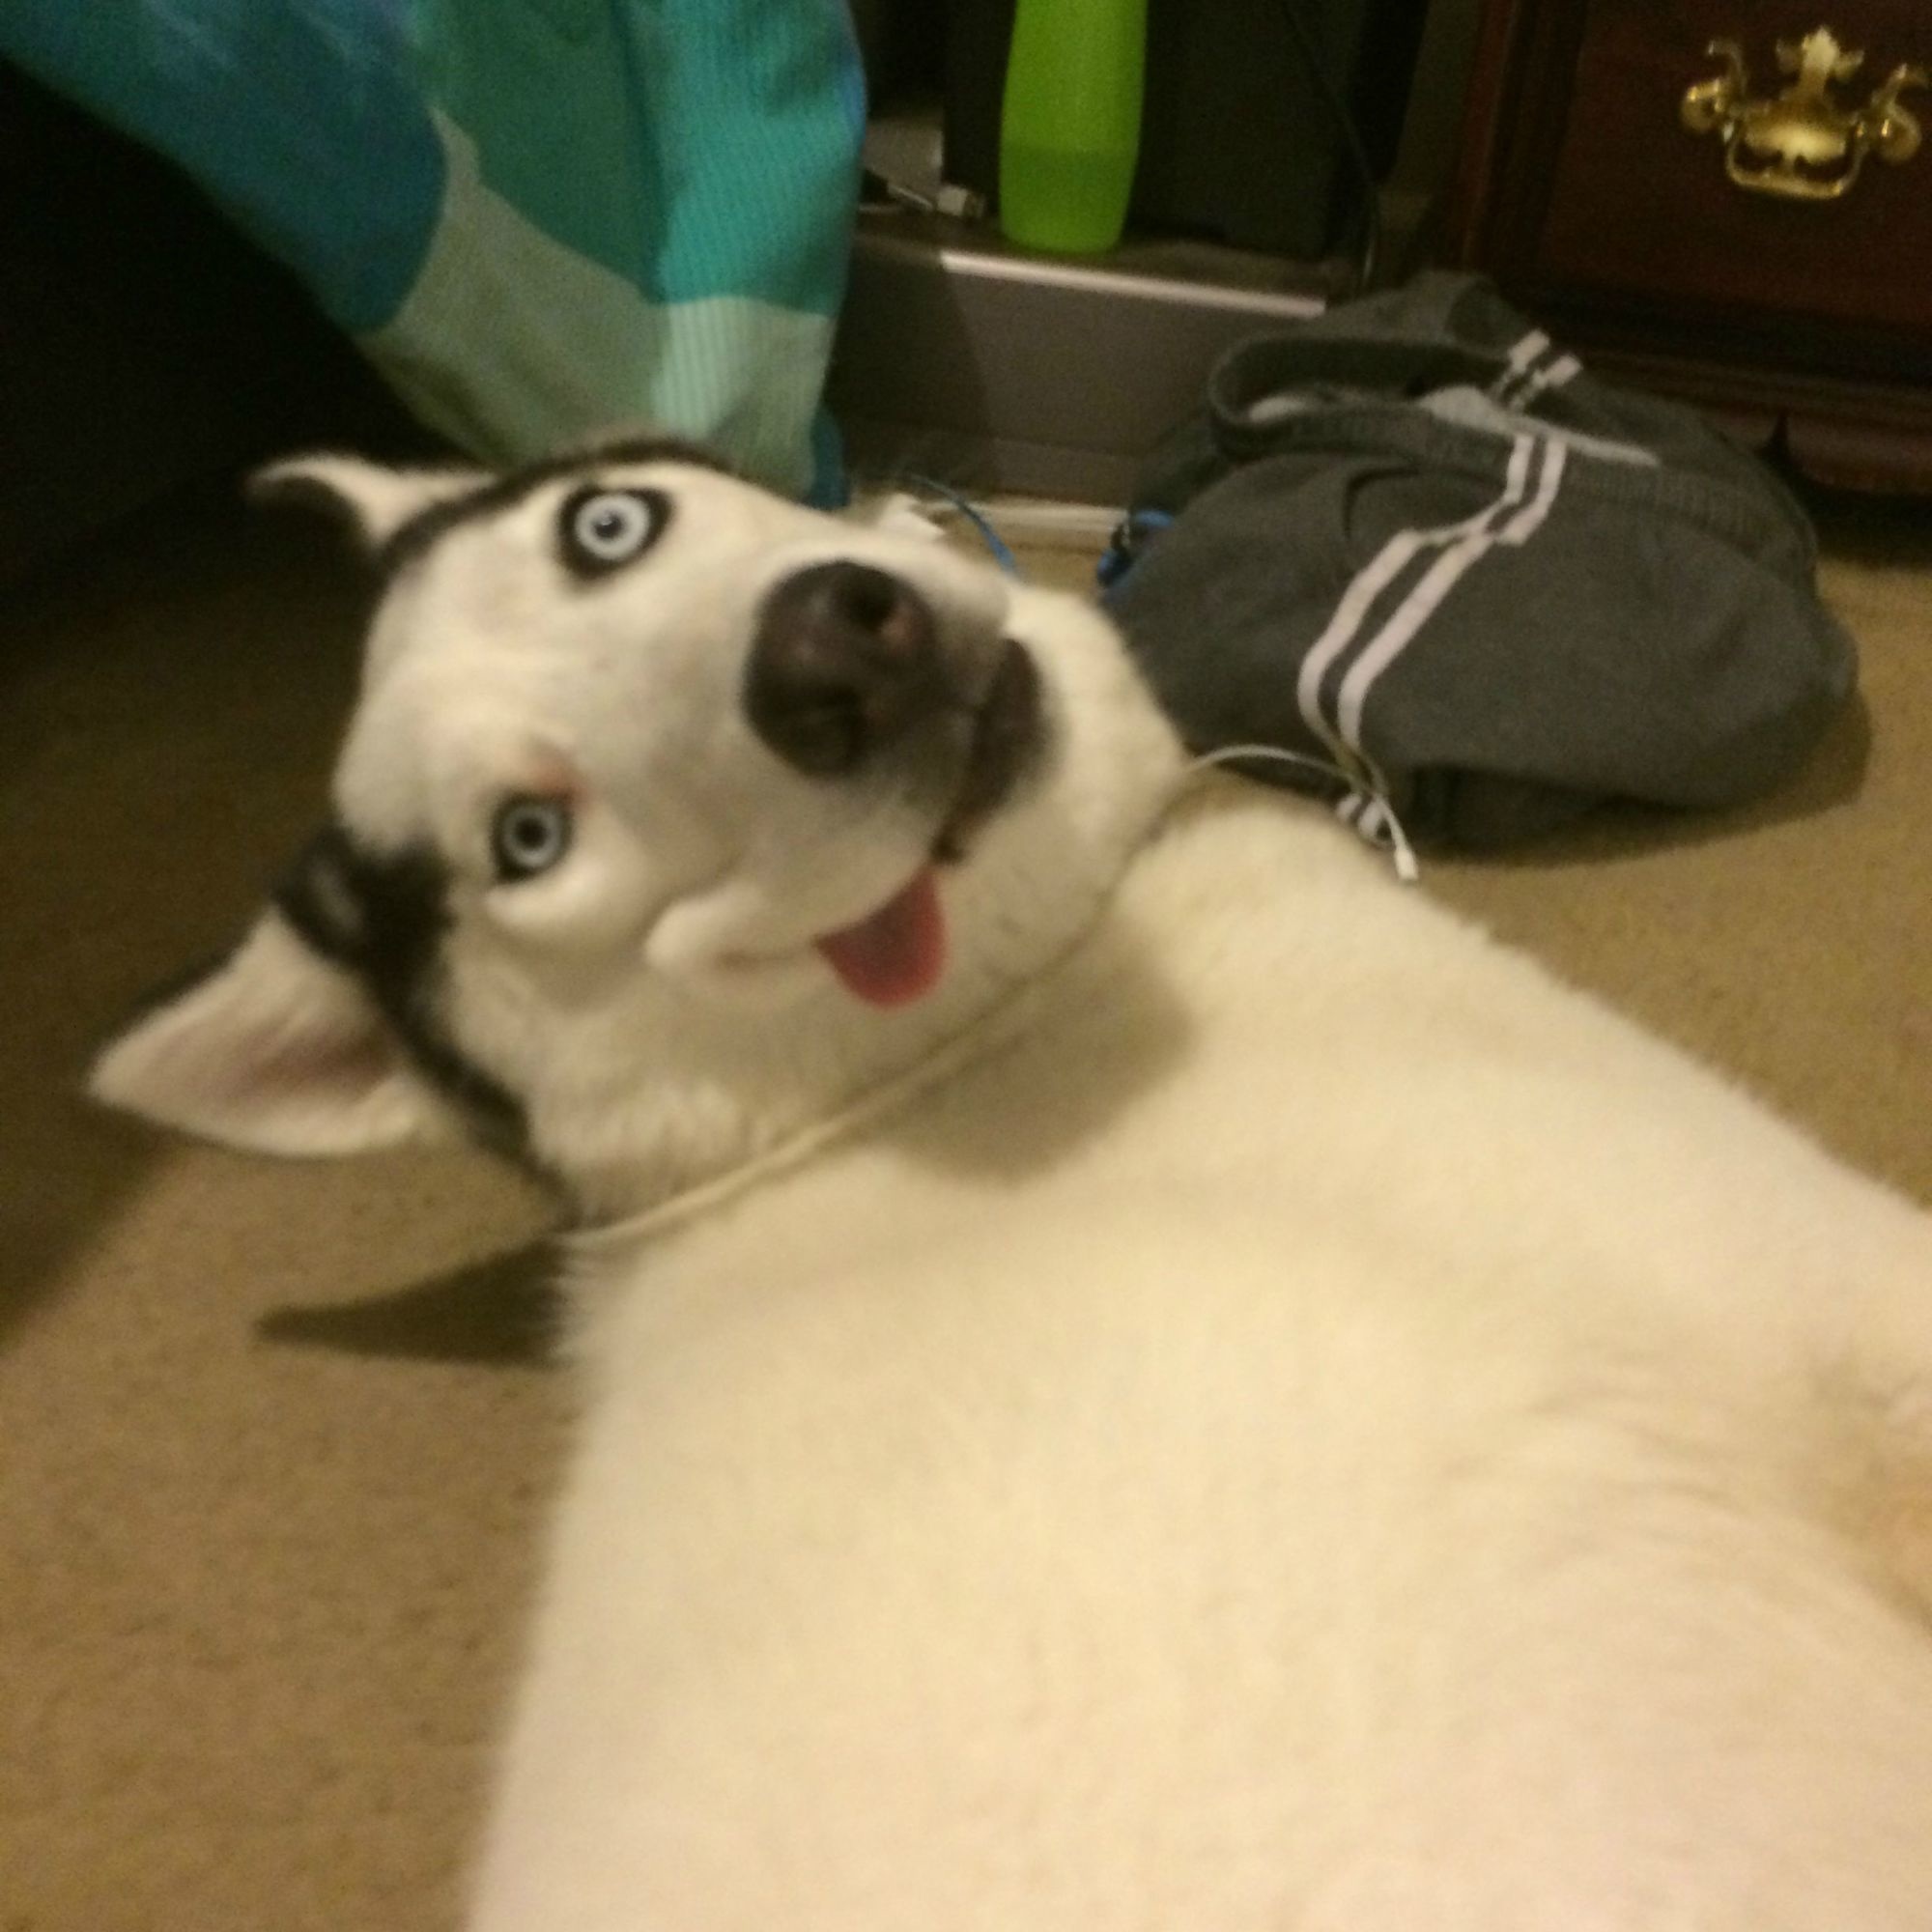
[273,1440]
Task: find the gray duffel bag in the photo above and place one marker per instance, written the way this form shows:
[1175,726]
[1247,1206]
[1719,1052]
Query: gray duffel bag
[1416,541]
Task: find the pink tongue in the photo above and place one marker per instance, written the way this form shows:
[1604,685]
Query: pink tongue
[897,954]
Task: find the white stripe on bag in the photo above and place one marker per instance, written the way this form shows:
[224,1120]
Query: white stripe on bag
[1442,576]
[1369,582]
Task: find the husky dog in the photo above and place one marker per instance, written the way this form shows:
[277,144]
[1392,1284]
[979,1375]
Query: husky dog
[1133,1374]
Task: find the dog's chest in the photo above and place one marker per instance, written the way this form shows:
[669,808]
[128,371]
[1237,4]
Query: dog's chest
[1095,1556]
[1164,1478]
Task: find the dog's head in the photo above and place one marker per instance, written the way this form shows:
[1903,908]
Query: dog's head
[669,813]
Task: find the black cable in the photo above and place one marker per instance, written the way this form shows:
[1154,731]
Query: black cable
[1369,238]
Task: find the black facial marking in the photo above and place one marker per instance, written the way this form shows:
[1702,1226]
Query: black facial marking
[424,530]
[381,916]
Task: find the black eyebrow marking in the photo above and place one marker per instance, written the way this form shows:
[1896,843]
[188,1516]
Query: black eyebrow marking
[416,538]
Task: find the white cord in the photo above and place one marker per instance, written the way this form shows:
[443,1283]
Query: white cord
[976,1035]
[1364,806]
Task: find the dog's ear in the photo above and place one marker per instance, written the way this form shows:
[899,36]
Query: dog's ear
[375,501]
[275,1050]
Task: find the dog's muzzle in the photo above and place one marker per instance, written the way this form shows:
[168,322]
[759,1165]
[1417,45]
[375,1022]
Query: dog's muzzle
[850,661]
[846,662]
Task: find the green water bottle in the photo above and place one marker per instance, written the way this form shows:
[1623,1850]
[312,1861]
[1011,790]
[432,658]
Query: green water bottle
[1070,124]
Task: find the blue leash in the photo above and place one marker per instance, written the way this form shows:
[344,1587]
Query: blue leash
[1119,556]
[988,535]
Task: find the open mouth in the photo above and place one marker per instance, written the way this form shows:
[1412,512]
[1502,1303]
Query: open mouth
[897,954]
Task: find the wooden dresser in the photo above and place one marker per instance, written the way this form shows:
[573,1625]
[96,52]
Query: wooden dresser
[1750,228]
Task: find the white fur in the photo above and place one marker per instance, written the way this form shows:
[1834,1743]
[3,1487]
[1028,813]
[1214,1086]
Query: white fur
[1291,1422]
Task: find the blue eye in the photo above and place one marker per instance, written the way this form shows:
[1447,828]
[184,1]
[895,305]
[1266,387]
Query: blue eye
[602,529]
[528,836]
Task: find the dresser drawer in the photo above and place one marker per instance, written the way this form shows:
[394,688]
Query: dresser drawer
[1593,204]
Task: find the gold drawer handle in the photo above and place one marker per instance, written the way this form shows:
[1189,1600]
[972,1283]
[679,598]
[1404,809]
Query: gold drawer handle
[1802,145]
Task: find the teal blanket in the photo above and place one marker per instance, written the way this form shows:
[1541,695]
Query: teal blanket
[538,219]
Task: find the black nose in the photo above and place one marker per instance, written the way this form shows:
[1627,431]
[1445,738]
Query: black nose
[846,659]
